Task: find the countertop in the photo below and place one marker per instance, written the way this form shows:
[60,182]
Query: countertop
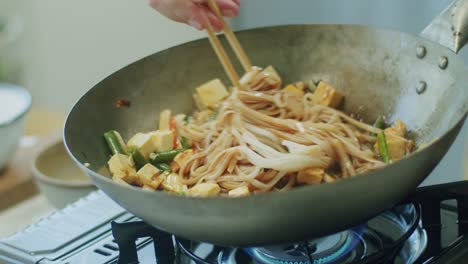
[42,126]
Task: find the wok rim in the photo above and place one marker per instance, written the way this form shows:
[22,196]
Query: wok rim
[264,194]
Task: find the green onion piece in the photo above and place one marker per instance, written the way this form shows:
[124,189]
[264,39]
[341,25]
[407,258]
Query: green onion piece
[165,156]
[163,167]
[188,119]
[115,142]
[138,158]
[379,123]
[185,143]
[383,147]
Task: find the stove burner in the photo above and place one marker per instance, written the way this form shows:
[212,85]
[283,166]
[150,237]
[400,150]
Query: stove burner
[395,236]
[323,250]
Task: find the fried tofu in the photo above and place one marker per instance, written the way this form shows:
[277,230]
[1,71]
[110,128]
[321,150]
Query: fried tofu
[121,166]
[211,93]
[148,176]
[163,140]
[143,143]
[327,95]
[204,190]
[398,129]
[311,176]
[239,192]
[172,183]
[292,89]
[164,120]
[398,146]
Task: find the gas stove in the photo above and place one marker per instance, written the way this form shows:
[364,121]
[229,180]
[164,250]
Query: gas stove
[431,226]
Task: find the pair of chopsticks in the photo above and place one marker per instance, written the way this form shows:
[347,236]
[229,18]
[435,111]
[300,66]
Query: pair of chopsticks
[221,52]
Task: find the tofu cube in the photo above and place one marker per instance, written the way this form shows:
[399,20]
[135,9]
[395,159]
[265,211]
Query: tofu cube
[162,140]
[398,147]
[212,93]
[198,102]
[172,183]
[239,192]
[144,144]
[291,89]
[329,179]
[148,174]
[311,176]
[327,95]
[398,128]
[164,120]
[122,166]
[273,73]
[183,156]
[300,85]
[204,190]
[119,180]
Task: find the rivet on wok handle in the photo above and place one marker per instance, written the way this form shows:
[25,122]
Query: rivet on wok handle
[421,51]
[443,62]
[421,88]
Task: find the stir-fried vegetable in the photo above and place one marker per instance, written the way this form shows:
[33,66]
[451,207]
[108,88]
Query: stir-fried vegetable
[383,147]
[115,142]
[165,156]
[188,119]
[379,123]
[138,158]
[247,139]
[185,143]
[162,166]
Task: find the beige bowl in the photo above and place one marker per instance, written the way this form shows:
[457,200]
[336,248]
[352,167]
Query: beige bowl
[58,177]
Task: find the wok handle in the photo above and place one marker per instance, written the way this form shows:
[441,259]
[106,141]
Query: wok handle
[450,28]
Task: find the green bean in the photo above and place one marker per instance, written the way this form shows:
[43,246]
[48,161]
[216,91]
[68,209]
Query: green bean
[138,158]
[163,166]
[383,147]
[115,142]
[379,123]
[165,156]
[188,119]
[185,143]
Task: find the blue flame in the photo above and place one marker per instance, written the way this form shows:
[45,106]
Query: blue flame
[350,243]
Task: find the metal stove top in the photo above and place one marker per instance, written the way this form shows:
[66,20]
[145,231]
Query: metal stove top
[82,233]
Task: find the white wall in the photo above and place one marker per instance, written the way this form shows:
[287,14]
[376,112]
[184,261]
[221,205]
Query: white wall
[71,45]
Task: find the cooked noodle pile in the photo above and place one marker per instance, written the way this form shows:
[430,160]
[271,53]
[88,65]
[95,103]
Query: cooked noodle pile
[265,138]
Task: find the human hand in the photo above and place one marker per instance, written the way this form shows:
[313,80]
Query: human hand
[196,13]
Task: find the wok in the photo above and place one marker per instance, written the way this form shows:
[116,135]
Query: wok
[381,72]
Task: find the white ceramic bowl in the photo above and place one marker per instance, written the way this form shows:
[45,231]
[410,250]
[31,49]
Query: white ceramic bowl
[59,179]
[14,104]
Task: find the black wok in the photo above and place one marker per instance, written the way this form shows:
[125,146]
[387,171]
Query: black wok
[381,72]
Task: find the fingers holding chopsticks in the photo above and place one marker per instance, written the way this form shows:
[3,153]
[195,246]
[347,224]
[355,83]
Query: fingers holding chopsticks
[193,12]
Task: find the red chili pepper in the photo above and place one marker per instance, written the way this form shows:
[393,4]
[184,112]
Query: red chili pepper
[173,127]
[122,102]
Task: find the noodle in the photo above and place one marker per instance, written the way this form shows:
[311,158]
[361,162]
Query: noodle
[262,136]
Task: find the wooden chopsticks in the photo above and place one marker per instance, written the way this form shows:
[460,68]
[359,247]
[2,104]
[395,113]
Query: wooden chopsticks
[233,41]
